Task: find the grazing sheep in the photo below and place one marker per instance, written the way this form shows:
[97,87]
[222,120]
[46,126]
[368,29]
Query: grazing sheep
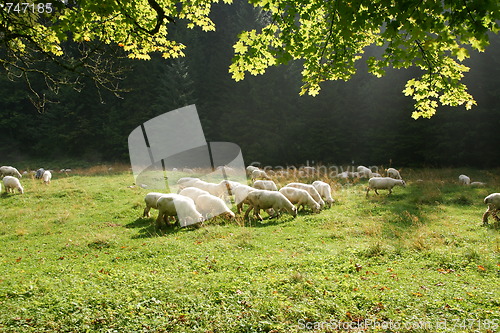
[364,172]
[265,185]
[151,199]
[383,183]
[219,190]
[256,174]
[393,173]
[210,206]
[177,205]
[376,174]
[240,196]
[39,173]
[464,180]
[263,199]
[251,169]
[301,198]
[493,202]
[324,190]
[192,192]
[312,191]
[477,184]
[9,171]
[47,176]
[11,184]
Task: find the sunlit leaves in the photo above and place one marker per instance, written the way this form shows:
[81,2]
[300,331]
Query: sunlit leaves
[330,36]
[326,37]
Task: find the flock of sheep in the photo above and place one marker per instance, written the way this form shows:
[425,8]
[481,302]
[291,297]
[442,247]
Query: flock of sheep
[198,200]
[11,178]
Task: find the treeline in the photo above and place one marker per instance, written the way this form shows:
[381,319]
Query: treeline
[366,120]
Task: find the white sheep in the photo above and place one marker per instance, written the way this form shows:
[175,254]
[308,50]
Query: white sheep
[364,172]
[263,199]
[376,174]
[312,191]
[150,199]
[219,190]
[300,197]
[11,184]
[383,183]
[493,202]
[393,173]
[324,190]
[177,205]
[9,171]
[265,185]
[251,169]
[210,206]
[256,174]
[47,176]
[192,192]
[240,196]
[463,180]
[477,184]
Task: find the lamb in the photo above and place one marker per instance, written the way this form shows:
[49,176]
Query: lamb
[210,206]
[265,185]
[393,173]
[263,199]
[177,205]
[364,172]
[301,198]
[256,174]
[383,183]
[39,173]
[9,171]
[324,190]
[151,199]
[312,191]
[493,202]
[186,182]
[47,176]
[464,180]
[11,184]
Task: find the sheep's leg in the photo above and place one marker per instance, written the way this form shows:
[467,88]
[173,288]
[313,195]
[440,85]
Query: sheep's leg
[248,211]
[367,190]
[494,214]
[146,212]
[390,191]
[239,207]
[257,213]
[159,220]
[485,216]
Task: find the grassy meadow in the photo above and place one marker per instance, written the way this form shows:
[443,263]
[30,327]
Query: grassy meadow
[76,256]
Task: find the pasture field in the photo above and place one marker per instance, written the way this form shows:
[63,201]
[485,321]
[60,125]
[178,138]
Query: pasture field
[76,256]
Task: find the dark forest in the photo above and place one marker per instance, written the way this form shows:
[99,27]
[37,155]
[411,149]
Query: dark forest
[366,120]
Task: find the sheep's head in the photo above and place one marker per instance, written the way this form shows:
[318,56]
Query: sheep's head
[403,183]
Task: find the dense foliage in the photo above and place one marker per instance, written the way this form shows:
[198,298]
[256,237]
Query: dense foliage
[365,120]
[327,36]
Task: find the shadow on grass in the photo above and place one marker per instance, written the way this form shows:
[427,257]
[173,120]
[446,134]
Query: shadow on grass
[148,229]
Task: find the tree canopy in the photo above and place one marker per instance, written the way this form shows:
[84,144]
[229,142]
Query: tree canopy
[327,38]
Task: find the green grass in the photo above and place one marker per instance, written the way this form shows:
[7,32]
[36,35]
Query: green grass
[76,256]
